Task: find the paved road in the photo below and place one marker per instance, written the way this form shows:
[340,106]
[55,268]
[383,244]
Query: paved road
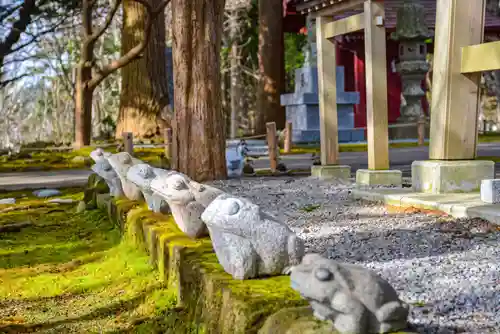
[401,158]
[36,180]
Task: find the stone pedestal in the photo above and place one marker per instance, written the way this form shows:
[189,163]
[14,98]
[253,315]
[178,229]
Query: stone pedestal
[390,178]
[459,176]
[302,108]
[331,172]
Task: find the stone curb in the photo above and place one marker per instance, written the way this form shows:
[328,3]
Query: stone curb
[468,206]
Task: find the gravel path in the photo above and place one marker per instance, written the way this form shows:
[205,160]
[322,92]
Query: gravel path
[447,269]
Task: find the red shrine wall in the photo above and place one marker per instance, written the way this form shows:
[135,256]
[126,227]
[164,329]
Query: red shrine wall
[350,54]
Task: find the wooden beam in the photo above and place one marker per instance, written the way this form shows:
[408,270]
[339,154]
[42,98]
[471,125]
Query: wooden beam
[344,26]
[480,58]
[327,93]
[338,8]
[376,88]
[455,97]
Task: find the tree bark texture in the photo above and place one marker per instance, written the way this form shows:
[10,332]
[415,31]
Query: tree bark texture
[271,81]
[144,91]
[199,129]
[235,74]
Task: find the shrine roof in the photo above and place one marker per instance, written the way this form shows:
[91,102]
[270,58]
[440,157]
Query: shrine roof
[391,6]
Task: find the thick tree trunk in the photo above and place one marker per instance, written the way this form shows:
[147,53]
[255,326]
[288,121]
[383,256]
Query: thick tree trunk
[83,99]
[271,48]
[144,91]
[199,134]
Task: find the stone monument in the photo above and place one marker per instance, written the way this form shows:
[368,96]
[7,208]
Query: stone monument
[355,299]
[302,106]
[250,243]
[411,32]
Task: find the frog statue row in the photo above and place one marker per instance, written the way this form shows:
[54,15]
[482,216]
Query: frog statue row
[250,243]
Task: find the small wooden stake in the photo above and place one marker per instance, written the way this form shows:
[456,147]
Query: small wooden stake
[288,137]
[168,143]
[128,142]
[272,145]
[421,131]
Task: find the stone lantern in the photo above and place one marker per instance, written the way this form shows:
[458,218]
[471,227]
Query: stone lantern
[412,32]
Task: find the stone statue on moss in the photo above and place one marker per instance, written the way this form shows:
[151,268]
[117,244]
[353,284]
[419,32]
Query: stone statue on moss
[355,299]
[121,162]
[248,242]
[187,200]
[142,175]
[104,169]
[99,155]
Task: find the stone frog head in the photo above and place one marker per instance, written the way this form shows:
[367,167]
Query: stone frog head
[174,188]
[182,195]
[249,242]
[99,154]
[103,169]
[142,175]
[353,298]
[121,163]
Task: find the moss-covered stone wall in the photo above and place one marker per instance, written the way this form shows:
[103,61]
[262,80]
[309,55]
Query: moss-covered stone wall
[206,294]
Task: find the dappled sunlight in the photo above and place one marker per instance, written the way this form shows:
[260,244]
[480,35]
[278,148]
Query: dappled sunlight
[72,272]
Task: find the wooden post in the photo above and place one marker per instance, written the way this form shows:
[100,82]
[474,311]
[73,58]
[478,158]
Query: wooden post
[167,140]
[288,137]
[327,93]
[376,86]
[128,142]
[272,145]
[455,97]
[421,131]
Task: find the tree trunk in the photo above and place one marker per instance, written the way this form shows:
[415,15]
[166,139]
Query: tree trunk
[144,91]
[235,73]
[198,131]
[271,49]
[83,103]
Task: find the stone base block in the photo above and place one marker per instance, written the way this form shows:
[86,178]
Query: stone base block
[366,177]
[490,191]
[461,176]
[331,172]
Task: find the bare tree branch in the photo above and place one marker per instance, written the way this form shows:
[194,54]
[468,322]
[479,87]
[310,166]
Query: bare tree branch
[136,51]
[107,22]
[26,10]
[4,83]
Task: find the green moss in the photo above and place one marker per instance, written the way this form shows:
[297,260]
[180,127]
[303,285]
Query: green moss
[71,159]
[70,272]
[191,269]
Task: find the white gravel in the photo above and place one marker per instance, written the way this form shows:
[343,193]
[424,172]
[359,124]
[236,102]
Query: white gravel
[447,269]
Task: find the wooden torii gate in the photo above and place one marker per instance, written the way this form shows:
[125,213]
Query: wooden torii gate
[458,63]
[327,28]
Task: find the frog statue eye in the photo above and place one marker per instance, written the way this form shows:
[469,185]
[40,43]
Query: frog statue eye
[232,207]
[323,274]
[179,185]
[106,167]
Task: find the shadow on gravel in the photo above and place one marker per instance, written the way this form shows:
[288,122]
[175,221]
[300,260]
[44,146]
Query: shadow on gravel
[428,240]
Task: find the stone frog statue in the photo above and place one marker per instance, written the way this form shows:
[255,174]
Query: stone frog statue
[121,162]
[142,175]
[248,242]
[99,155]
[187,200]
[103,169]
[355,299]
